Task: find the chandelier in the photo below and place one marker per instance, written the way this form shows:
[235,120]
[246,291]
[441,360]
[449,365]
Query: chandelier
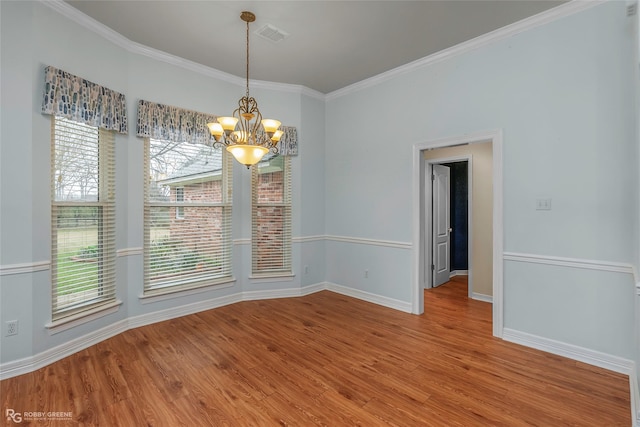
[247,139]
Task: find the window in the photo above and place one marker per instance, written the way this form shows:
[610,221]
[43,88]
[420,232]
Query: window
[187,216]
[179,199]
[83,217]
[271,217]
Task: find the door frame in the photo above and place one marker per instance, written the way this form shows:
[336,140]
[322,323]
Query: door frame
[428,197]
[419,223]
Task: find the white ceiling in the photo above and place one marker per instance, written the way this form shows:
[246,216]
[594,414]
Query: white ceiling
[331,44]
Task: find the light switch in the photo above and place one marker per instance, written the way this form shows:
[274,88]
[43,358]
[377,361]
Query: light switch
[543,204]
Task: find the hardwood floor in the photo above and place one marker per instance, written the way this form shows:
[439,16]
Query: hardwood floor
[323,359]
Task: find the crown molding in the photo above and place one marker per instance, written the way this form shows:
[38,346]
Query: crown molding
[86,21]
[551,15]
[118,39]
[168,58]
[285,87]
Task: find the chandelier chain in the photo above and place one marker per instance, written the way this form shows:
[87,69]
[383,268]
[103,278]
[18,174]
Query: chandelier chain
[247,59]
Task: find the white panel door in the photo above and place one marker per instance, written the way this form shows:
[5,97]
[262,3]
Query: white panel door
[441,224]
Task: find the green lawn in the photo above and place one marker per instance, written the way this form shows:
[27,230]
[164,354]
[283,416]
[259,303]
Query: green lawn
[74,275]
[78,272]
[70,272]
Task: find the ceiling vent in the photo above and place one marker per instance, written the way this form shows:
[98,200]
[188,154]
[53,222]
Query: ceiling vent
[272,33]
[632,9]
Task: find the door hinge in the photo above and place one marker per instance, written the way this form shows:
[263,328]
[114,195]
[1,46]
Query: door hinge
[433,177]
[433,267]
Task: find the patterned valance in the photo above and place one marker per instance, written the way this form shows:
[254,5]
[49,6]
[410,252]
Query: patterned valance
[176,124]
[288,145]
[80,100]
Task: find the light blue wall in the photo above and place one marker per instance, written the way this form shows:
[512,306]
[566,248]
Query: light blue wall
[16,160]
[554,298]
[33,36]
[563,95]
[636,231]
[311,196]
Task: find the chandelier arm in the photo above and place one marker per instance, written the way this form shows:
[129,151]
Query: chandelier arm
[258,121]
[220,144]
[238,113]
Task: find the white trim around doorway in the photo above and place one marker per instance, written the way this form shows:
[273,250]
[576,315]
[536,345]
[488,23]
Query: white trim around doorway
[418,218]
[428,249]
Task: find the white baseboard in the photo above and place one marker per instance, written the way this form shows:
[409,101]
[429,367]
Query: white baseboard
[369,297]
[32,363]
[40,360]
[592,357]
[482,297]
[635,398]
[455,273]
[282,293]
[183,310]
[29,364]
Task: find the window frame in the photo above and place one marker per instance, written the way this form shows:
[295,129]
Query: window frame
[286,205]
[166,287]
[105,247]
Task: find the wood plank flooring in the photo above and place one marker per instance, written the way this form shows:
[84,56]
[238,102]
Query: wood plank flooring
[323,359]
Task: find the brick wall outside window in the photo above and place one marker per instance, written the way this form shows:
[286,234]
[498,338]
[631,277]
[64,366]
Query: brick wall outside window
[206,191]
[269,220]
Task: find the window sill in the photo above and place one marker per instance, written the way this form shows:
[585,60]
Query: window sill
[69,322]
[170,293]
[272,277]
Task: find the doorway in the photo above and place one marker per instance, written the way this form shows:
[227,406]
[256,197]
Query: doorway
[451,185]
[424,156]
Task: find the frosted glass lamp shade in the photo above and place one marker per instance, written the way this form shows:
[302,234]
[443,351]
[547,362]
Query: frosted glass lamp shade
[277,135]
[216,130]
[228,123]
[270,126]
[247,154]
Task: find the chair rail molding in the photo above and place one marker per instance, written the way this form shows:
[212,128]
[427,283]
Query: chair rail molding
[27,267]
[372,242]
[589,264]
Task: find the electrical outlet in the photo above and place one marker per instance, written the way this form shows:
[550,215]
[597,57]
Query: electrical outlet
[306,269]
[543,204]
[12,327]
[366,274]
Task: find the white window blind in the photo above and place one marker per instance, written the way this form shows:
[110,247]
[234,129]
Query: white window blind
[179,199]
[82,217]
[187,216]
[271,217]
